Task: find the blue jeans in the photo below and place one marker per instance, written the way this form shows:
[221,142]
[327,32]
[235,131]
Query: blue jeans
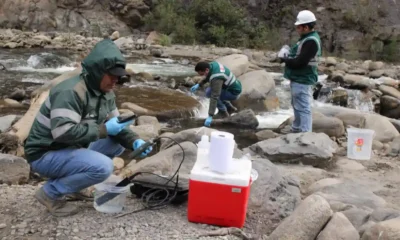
[301,102]
[224,99]
[71,170]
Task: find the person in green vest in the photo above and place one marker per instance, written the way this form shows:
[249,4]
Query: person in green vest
[76,132]
[224,88]
[301,68]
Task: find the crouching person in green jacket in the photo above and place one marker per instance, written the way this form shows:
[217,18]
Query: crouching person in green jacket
[224,88]
[76,132]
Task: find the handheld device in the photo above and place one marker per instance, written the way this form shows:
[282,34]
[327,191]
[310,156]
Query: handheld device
[126,118]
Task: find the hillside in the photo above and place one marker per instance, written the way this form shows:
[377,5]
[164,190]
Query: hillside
[352,28]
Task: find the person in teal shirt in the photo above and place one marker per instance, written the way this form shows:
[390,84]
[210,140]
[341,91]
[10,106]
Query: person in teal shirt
[224,87]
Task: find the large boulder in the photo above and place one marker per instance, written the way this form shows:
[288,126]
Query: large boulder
[146,101]
[384,129]
[237,63]
[258,91]
[391,91]
[306,221]
[273,197]
[166,162]
[386,230]
[390,106]
[309,148]
[346,232]
[331,126]
[347,192]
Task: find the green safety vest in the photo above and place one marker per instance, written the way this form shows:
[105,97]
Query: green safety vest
[309,74]
[219,71]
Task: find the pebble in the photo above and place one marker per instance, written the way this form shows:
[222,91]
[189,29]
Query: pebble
[3,225]
[76,230]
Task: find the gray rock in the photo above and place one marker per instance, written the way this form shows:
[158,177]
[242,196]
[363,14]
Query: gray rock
[390,106]
[146,132]
[189,135]
[350,193]
[357,217]
[395,147]
[266,134]
[386,230]
[258,91]
[6,122]
[331,126]
[388,90]
[166,161]
[339,228]
[383,214]
[18,95]
[273,196]
[148,120]
[314,149]
[13,170]
[305,222]
[365,227]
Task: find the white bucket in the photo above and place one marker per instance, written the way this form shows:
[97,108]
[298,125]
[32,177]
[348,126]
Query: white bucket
[116,195]
[359,143]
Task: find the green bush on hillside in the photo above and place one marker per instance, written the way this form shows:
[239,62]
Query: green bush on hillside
[208,22]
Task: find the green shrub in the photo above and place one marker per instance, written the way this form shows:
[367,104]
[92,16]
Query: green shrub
[209,22]
[164,40]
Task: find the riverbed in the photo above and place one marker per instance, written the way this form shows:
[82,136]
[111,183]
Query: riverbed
[29,68]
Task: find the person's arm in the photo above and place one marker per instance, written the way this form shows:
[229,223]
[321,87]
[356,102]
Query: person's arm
[65,120]
[204,81]
[126,137]
[308,51]
[216,88]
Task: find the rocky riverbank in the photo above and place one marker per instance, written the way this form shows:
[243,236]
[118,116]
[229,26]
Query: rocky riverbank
[307,188]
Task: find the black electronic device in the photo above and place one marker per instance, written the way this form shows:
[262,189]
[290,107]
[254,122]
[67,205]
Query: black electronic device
[126,118]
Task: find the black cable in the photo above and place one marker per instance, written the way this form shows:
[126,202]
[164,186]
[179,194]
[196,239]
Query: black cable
[149,198]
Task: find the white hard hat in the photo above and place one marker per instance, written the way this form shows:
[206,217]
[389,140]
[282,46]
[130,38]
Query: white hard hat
[305,17]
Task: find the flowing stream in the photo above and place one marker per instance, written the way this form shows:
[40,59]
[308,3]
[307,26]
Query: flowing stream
[28,68]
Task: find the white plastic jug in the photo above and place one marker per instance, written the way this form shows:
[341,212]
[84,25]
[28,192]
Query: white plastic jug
[117,202]
[359,143]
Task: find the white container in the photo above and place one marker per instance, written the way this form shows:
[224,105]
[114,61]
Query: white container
[117,203]
[222,145]
[203,149]
[359,143]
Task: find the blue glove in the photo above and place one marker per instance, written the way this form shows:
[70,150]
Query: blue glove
[139,142]
[194,88]
[114,127]
[208,121]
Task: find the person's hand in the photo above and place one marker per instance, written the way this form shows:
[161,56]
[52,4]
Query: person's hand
[194,88]
[114,127]
[208,121]
[139,142]
[284,52]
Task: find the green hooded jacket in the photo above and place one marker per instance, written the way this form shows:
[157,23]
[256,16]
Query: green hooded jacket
[73,115]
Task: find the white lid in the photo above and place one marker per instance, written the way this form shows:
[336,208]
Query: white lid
[238,176]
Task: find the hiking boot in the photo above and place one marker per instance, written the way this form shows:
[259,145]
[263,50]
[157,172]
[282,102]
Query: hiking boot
[221,114]
[57,208]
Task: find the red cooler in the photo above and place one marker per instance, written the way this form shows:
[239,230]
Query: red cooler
[219,199]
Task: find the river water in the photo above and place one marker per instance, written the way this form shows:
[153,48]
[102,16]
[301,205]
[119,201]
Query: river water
[30,68]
